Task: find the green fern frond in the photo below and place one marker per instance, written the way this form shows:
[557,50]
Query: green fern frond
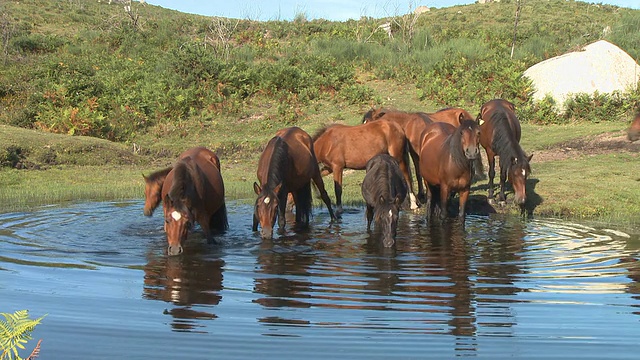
[15,331]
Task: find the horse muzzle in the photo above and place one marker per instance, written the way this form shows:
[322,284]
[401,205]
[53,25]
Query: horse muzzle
[173,250]
[472,153]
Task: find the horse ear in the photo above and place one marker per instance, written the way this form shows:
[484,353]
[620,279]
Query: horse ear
[398,200]
[381,200]
[257,188]
[529,158]
[277,188]
[144,177]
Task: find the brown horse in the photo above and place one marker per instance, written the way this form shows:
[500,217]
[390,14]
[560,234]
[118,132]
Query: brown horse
[446,155]
[413,124]
[341,146]
[191,191]
[287,165]
[500,135]
[633,133]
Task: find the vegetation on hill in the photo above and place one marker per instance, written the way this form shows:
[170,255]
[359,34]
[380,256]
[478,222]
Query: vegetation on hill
[85,67]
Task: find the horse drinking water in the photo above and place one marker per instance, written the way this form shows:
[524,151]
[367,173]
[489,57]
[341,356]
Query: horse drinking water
[192,190]
[500,135]
[287,165]
[384,191]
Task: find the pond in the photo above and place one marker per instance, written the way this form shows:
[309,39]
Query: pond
[501,287]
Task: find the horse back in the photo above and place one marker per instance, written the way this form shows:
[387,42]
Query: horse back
[302,156]
[434,154]
[451,116]
[489,113]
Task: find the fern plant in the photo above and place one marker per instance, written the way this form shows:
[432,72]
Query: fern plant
[15,331]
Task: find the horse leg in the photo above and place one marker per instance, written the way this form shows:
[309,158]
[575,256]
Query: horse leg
[444,202]
[337,183]
[407,177]
[369,216]
[282,208]
[492,174]
[503,179]
[416,164]
[317,179]
[464,196]
[430,205]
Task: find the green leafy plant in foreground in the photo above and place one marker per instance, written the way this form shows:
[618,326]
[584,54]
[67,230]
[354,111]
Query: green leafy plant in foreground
[15,331]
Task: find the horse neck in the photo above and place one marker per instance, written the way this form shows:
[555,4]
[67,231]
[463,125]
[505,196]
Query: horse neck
[278,165]
[184,180]
[456,153]
[504,142]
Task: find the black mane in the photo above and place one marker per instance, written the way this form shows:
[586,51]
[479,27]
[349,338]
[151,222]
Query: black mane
[320,132]
[183,183]
[455,143]
[279,163]
[504,142]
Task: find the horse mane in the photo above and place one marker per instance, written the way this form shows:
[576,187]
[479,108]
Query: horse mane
[321,131]
[183,173]
[160,174]
[504,141]
[454,142]
[382,184]
[278,164]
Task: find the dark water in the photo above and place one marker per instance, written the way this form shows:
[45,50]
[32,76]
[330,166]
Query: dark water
[505,288]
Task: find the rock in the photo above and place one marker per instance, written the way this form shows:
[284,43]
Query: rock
[600,66]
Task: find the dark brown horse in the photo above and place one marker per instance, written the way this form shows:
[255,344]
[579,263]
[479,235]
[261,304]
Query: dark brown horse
[341,146]
[500,135]
[287,165]
[446,155]
[633,133]
[191,191]
[384,191]
[413,124]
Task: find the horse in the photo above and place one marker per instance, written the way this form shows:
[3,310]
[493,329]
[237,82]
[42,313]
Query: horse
[342,146]
[192,190]
[384,191]
[413,124]
[287,165]
[633,132]
[446,155]
[500,135]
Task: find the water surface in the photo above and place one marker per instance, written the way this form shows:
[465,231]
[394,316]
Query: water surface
[500,288]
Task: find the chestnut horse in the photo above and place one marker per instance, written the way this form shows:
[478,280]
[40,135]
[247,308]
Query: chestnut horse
[384,191]
[192,190]
[413,124]
[446,156]
[500,135]
[342,146]
[287,165]
[633,133]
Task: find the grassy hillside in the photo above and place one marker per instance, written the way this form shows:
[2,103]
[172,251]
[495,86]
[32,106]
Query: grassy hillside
[91,95]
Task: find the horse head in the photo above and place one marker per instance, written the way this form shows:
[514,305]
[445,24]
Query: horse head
[178,220]
[386,215]
[518,173]
[470,138]
[266,209]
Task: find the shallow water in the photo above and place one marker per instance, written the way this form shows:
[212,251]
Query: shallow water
[501,288]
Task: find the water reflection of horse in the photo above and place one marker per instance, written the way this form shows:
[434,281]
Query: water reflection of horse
[500,135]
[413,124]
[287,166]
[192,190]
[185,281]
[633,132]
[384,191]
[341,146]
[446,154]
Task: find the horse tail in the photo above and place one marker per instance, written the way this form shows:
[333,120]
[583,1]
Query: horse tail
[219,220]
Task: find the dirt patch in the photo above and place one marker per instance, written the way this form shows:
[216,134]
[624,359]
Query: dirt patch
[607,143]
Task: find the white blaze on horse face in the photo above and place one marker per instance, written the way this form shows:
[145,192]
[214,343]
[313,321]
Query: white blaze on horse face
[524,172]
[176,215]
[267,200]
[390,213]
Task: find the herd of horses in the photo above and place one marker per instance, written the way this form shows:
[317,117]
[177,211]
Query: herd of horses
[444,147]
